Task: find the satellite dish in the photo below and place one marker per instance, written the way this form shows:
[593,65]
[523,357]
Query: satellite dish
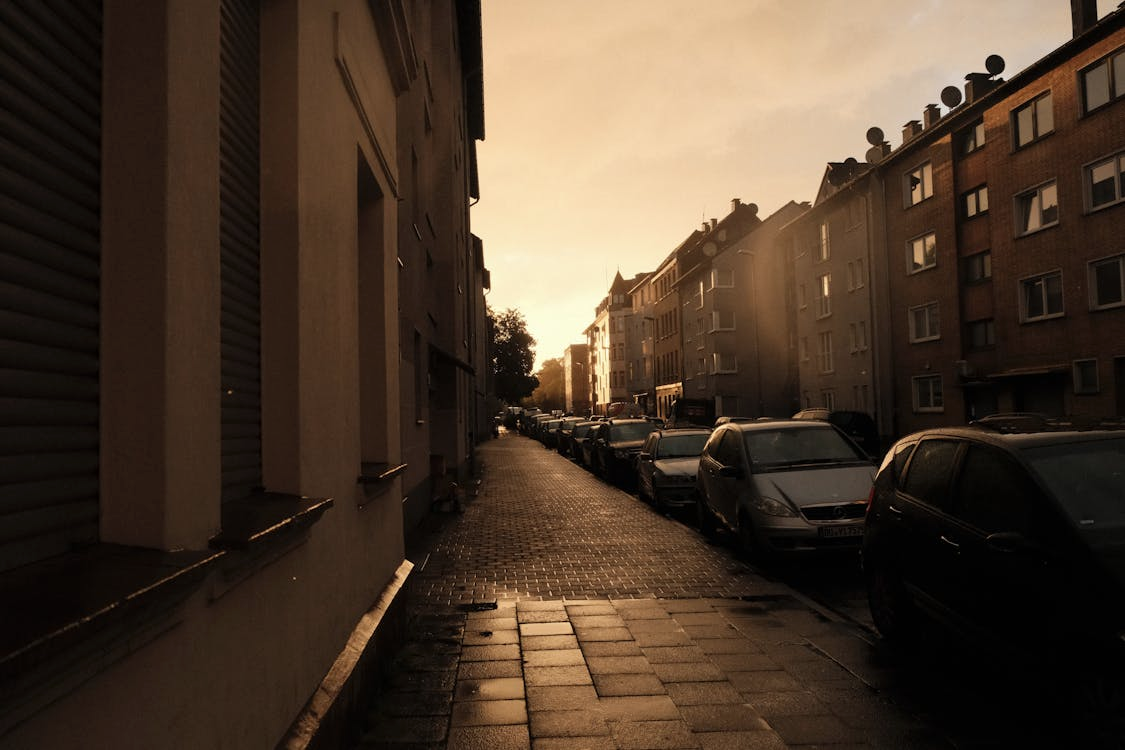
[752,209]
[709,249]
[850,162]
[951,96]
[874,136]
[874,155]
[994,64]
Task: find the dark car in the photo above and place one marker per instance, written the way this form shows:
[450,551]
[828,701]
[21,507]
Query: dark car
[563,433]
[579,435]
[784,486]
[667,464]
[1014,539]
[857,425]
[616,445]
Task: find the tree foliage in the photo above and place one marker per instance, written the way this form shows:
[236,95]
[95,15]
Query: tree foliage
[551,393]
[513,356]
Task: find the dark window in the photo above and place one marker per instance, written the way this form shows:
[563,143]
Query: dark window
[972,137]
[981,334]
[1033,120]
[1103,82]
[729,453]
[993,493]
[930,470]
[975,201]
[977,267]
[902,455]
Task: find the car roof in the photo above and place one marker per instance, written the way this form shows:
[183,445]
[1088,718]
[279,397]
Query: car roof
[684,431]
[777,424]
[1019,440]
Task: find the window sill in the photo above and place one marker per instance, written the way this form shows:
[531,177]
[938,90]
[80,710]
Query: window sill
[376,477]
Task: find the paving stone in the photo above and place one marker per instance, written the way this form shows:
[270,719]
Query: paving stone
[761,740]
[482,670]
[663,638]
[723,718]
[603,634]
[703,632]
[744,662]
[430,703]
[640,614]
[490,638]
[639,708]
[729,646]
[584,609]
[688,672]
[674,654]
[703,693]
[812,730]
[561,697]
[611,648]
[618,665]
[711,618]
[628,684]
[489,713]
[653,735]
[495,624]
[562,657]
[536,642]
[413,681]
[763,681]
[541,615]
[489,738]
[573,723]
[497,688]
[546,628]
[574,743]
[413,729]
[787,703]
[597,621]
[540,676]
[525,606]
[490,653]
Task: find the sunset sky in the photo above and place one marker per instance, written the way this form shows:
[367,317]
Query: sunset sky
[616,127]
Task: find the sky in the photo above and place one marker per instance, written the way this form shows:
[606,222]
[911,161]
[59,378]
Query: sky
[613,128]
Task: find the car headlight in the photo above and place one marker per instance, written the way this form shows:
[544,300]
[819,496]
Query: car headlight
[771,507]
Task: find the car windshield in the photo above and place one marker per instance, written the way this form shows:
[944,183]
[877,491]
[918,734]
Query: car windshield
[630,431]
[678,446]
[1088,480]
[581,430]
[805,446]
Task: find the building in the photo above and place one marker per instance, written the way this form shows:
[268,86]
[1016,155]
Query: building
[607,338]
[214,217]
[576,375]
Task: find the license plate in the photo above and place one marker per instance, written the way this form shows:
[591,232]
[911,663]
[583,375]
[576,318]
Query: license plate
[833,532]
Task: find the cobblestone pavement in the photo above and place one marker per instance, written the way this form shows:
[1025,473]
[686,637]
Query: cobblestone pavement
[556,612]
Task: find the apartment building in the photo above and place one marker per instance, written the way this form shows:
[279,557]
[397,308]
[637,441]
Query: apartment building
[215,380]
[607,338]
[576,375]
[667,342]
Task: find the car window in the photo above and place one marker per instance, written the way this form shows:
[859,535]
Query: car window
[927,477]
[676,446]
[799,446]
[630,431]
[728,453]
[1087,479]
[994,493]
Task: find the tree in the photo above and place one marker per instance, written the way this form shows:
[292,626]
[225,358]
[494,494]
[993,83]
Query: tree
[513,356]
[551,393]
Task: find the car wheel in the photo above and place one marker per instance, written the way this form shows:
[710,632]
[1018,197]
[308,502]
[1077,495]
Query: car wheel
[891,610]
[748,541]
[704,519]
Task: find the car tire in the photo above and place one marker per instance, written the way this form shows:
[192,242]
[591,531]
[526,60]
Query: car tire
[705,520]
[748,540]
[891,610]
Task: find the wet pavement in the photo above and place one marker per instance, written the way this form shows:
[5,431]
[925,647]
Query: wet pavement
[555,611]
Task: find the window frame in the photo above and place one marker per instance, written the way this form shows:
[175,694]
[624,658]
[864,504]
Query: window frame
[933,322]
[989,326]
[911,269]
[1047,315]
[1035,193]
[716,280]
[824,359]
[925,172]
[1117,160]
[976,196]
[969,262]
[823,295]
[1111,81]
[1032,105]
[1091,279]
[969,141]
[824,243]
[915,394]
[1082,385]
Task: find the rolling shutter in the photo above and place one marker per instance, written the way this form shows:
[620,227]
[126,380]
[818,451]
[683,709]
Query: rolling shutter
[50,164]
[241,323]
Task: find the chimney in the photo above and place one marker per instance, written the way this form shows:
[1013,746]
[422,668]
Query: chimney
[734,204]
[910,130]
[1083,15]
[714,223]
[931,115]
[706,227]
[977,85]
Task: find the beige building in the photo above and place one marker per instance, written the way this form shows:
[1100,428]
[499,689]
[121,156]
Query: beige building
[240,316]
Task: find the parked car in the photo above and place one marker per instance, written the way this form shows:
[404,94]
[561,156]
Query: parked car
[1015,539]
[579,435]
[857,425]
[784,486]
[616,445]
[563,432]
[545,431]
[667,465]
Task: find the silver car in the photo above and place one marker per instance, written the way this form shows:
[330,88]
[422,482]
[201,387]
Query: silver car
[784,486]
[667,464]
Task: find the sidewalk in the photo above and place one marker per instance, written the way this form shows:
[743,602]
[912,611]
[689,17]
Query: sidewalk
[558,612]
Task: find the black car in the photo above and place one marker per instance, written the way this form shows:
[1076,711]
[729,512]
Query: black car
[1015,539]
[616,445]
[857,425]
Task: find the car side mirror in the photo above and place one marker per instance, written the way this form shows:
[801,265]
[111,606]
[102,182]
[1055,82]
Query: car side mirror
[644,456]
[734,472]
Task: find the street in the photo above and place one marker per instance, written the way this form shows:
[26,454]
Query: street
[556,611]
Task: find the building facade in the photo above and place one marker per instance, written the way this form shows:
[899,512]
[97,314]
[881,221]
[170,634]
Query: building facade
[576,374]
[215,386]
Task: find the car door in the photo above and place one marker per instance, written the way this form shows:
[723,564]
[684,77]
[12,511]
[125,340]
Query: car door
[708,472]
[728,476]
[919,512]
[1010,582]
[645,461]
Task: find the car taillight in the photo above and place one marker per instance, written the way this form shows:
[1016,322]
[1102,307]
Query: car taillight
[870,499]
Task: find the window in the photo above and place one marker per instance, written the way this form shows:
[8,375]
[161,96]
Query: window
[722,278]
[994,494]
[802,296]
[859,336]
[725,363]
[828,398]
[975,201]
[824,249]
[722,320]
[803,349]
[855,274]
[1103,82]
[927,393]
[1037,209]
[921,253]
[931,466]
[824,354]
[1033,120]
[980,334]
[1105,182]
[1107,282]
[924,323]
[918,184]
[1041,297]
[1086,376]
[824,295]
[978,267]
[972,137]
